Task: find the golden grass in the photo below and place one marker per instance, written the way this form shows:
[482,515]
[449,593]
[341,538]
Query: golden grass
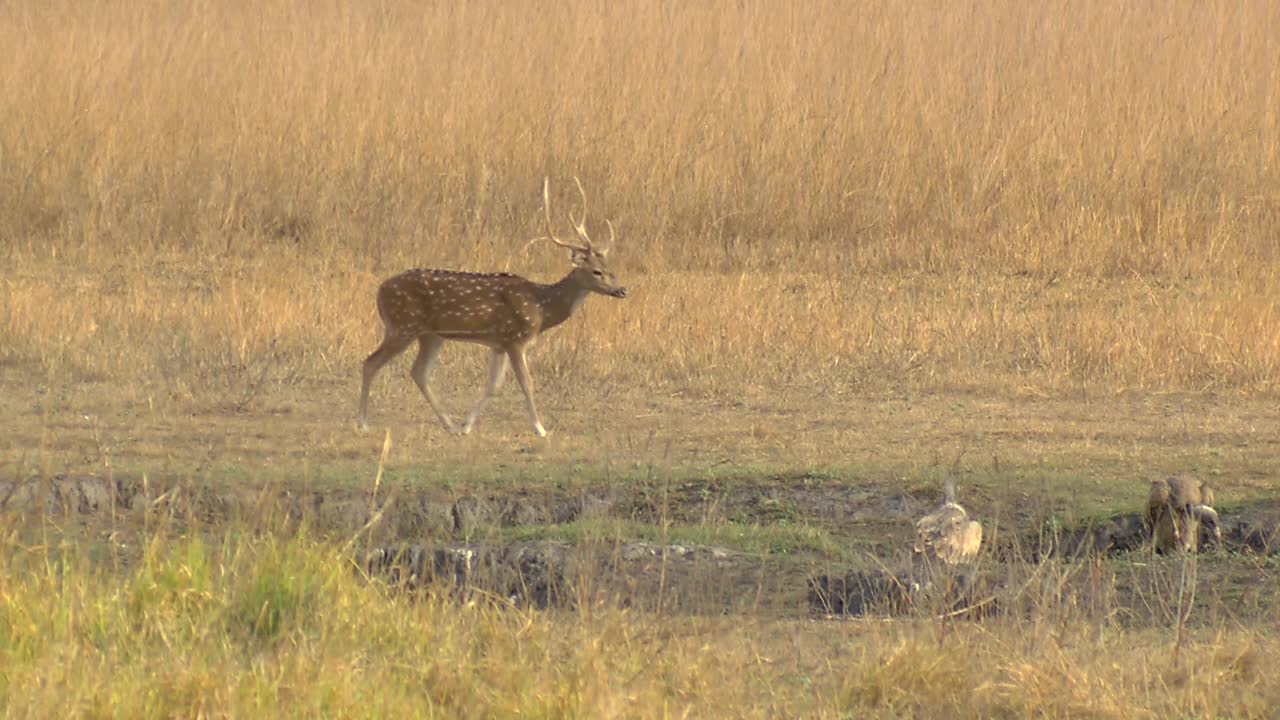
[834,220]
[1071,136]
[977,195]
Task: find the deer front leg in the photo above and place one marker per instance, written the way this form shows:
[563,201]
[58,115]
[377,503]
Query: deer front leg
[497,372]
[391,346]
[428,351]
[526,384]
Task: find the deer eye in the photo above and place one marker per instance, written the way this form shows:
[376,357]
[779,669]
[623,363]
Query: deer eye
[598,272]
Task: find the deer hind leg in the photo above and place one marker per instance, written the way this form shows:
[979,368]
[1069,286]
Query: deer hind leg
[526,384]
[392,345]
[497,373]
[428,352]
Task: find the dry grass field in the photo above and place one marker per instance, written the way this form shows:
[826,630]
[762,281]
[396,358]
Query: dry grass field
[1034,243]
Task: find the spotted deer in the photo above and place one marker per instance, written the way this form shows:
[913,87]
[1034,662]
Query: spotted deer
[501,311]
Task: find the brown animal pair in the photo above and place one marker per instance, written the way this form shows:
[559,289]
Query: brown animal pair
[1178,508]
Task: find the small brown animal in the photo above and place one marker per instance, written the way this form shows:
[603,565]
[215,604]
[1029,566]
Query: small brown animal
[501,311]
[1177,507]
[947,533]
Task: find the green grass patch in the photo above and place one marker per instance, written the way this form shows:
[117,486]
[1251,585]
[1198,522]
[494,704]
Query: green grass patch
[791,539]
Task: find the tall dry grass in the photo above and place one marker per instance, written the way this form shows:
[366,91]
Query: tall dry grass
[963,194]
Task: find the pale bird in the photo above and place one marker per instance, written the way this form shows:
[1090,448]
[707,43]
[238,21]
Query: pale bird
[947,533]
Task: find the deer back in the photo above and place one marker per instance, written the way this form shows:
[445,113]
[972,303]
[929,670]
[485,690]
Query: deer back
[492,308]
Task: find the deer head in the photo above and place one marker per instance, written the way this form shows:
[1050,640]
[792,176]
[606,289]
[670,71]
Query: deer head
[589,267]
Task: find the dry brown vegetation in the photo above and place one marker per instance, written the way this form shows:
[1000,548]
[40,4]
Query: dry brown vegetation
[977,195]
[882,235]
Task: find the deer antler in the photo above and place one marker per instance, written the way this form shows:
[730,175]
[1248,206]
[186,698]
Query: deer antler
[546,211]
[608,247]
[580,226]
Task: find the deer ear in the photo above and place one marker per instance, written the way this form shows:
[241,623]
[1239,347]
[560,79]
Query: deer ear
[580,257]
[603,253]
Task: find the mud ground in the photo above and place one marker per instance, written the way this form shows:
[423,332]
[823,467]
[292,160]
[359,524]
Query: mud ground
[436,540]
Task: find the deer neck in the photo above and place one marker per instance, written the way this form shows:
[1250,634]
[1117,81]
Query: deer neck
[560,299]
